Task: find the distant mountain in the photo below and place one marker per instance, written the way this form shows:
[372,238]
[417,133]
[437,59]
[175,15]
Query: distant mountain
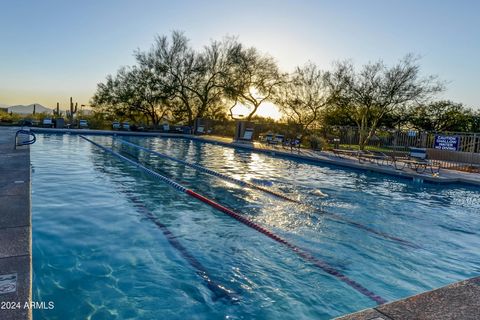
[20,109]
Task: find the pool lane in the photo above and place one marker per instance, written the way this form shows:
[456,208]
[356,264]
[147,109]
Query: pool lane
[298,251]
[271,192]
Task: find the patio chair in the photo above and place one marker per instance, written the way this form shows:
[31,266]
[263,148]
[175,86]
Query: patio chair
[340,153]
[376,157]
[47,123]
[268,139]
[418,160]
[247,134]
[279,138]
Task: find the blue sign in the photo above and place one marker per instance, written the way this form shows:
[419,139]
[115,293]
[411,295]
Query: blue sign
[449,143]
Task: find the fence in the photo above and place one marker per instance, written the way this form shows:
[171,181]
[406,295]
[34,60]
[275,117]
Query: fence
[466,146]
[454,150]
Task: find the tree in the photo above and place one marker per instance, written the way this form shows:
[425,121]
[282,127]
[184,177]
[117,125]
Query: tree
[441,116]
[212,67]
[134,91]
[475,122]
[196,79]
[252,79]
[376,90]
[303,97]
[172,64]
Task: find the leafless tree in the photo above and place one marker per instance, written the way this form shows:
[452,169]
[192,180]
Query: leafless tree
[303,97]
[253,79]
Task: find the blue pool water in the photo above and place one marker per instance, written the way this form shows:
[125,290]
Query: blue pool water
[98,255]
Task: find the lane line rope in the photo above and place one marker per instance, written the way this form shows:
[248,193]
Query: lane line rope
[271,192]
[297,250]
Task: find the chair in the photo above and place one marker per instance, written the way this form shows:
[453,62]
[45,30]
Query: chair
[345,152]
[125,126]
[279,139]
[248,134]
[418,161]
[268,138]
[83,124]
[376,157]
[200,130]
[47,123]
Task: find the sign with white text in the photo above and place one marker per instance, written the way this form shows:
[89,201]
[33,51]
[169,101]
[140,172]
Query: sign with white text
[449,143]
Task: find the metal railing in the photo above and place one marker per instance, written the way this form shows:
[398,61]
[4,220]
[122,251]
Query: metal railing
[24,142]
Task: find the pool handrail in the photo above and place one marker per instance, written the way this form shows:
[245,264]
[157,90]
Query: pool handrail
[24,142]
[246,221]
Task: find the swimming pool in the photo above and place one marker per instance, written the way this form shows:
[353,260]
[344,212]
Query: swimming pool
[111,242]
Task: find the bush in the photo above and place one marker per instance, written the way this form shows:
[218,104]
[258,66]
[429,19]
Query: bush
[317,142]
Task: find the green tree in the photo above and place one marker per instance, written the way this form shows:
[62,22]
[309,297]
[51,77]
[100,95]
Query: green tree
[442,115]
[369,94]
[131,92]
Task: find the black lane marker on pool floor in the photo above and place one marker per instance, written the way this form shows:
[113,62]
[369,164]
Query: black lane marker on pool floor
[274,193]
[220,291]
[297,250]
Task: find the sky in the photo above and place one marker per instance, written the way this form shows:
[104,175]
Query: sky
[51,50]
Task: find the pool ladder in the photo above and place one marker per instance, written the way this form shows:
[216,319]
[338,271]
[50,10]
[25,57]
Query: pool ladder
[24,142]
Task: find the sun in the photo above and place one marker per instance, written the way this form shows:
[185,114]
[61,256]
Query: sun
[266,109]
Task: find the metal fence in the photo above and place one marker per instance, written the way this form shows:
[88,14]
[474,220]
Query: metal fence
[466,155]
[462,154]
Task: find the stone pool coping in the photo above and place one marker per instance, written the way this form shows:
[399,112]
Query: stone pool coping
[457,301]
[15,225]
[445,177]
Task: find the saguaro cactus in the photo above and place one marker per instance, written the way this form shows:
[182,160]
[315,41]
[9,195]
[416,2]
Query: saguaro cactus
[56,113]
[73,110]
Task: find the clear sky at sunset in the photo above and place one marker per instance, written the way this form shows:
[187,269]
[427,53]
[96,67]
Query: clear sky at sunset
[51,50]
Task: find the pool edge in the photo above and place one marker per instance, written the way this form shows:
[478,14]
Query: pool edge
[458,300]
[15,226]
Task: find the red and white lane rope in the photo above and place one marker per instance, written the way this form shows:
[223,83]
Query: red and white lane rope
[239,217]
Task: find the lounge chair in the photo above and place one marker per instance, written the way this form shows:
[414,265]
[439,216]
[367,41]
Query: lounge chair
[418,161]
[278,140]
[83,124]
[268,139]
[125,126]
[346,152]
[200,130]
[376,157]
[248,134]
[47,123]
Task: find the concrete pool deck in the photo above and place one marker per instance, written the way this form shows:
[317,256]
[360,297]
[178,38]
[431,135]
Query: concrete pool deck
[15,228]
[457,301]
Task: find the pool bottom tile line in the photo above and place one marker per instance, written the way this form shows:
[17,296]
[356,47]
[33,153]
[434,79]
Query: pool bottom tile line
[297,250]
[219,290]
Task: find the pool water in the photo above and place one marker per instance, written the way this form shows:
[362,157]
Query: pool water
[108,239]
